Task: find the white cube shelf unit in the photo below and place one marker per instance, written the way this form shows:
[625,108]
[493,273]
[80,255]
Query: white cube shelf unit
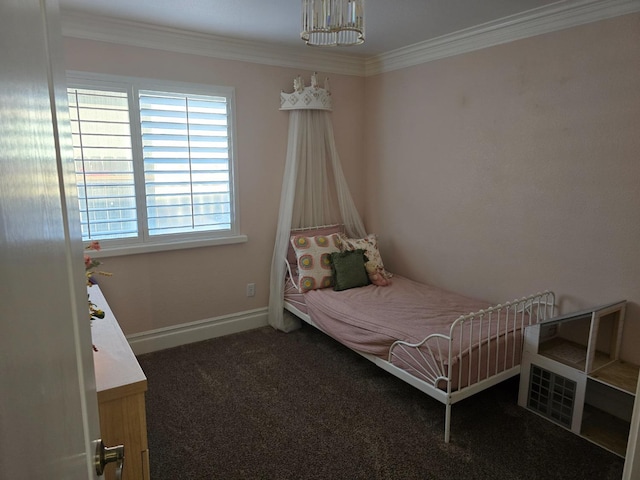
[572,374]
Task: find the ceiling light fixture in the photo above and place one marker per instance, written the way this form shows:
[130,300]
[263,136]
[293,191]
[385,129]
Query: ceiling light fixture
[330,23]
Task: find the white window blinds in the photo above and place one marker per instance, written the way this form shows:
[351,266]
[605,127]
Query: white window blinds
[185,144]
[153,166]
[103,163]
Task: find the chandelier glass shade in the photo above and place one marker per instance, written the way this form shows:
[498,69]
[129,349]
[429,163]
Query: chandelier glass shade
[330,23]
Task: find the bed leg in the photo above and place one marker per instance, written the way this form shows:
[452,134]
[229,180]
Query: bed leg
[447,423]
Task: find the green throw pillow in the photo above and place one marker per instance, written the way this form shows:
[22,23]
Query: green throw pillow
[348,270]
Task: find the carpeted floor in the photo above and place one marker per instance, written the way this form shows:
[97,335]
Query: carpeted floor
[269,405]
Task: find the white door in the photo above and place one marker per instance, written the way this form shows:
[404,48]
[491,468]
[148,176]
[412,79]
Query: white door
[48,406]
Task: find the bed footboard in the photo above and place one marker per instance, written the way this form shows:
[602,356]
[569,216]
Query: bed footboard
[482,349]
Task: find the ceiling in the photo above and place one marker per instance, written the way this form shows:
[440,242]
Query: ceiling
[390,24]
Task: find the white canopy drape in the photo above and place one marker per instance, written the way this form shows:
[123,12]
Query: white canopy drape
[314,193]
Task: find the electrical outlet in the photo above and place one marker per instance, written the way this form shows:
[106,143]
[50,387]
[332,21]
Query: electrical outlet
[251,289]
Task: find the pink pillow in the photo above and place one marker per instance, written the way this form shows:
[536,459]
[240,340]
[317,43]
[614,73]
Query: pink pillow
[291,253]
[313,254]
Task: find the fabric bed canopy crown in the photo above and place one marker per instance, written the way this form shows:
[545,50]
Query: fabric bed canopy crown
[307,98]
[314,189]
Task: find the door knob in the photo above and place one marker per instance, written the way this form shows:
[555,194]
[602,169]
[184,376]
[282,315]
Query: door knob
[106,455]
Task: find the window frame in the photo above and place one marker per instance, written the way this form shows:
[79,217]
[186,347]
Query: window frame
[144,243]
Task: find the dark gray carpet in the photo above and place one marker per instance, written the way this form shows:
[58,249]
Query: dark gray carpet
[270,405]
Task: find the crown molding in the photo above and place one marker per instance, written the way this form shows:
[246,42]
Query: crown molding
[539,21]
[111,30]
[557,16]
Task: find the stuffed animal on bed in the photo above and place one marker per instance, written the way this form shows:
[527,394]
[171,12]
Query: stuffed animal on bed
[377,278]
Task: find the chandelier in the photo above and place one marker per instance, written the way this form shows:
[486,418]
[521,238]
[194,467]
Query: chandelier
[330,23]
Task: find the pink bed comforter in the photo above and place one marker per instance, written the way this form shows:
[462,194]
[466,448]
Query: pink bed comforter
[369,319]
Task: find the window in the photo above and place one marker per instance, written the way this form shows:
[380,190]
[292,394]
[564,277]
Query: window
[153,161]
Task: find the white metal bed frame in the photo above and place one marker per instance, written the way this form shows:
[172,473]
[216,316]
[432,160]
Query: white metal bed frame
[428,357]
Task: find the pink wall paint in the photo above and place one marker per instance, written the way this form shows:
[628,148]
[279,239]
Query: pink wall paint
[515,169]
[496,173]
[150,291]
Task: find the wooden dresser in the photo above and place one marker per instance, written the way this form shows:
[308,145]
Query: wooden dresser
[121,385]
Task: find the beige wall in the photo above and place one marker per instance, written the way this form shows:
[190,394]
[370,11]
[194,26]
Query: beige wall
[515,169]
[150,291]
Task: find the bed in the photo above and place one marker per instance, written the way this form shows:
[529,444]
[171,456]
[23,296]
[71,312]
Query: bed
[447,345]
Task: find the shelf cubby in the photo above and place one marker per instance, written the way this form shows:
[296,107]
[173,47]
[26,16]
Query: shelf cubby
[572,374]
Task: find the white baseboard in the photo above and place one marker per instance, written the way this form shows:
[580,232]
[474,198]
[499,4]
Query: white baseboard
[174,336]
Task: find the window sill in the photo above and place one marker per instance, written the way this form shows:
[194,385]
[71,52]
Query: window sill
[121,250]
